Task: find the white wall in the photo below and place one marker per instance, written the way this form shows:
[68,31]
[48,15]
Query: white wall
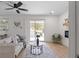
[51,25]
[62,28]
[77,26]
[72,30]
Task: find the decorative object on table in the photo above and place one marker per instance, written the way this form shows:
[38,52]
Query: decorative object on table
[56,38]
[37,40]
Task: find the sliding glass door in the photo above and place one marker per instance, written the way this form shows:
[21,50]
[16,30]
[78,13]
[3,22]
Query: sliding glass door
[36,28]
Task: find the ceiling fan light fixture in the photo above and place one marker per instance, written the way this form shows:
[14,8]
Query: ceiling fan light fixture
[52,12]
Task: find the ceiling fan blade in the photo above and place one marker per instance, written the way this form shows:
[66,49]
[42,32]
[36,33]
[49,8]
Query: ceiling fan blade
[9,5]
[23,9]
[18,11]
[9,8]
[19,4]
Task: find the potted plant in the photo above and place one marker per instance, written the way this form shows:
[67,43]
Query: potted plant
[56,38]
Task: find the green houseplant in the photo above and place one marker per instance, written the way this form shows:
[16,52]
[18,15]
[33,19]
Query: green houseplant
[56,38]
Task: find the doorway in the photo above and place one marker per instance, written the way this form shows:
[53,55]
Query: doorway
[36,28]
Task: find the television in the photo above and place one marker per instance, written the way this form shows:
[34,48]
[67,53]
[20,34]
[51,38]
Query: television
[66,34]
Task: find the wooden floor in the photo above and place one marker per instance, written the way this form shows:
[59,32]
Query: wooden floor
[59,50]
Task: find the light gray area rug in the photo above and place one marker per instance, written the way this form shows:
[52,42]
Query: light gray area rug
[47,53]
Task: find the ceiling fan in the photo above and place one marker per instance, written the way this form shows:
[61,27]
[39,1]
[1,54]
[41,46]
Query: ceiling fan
[16,6]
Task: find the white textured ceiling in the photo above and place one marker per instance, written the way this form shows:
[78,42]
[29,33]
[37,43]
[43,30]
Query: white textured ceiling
[38,7]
